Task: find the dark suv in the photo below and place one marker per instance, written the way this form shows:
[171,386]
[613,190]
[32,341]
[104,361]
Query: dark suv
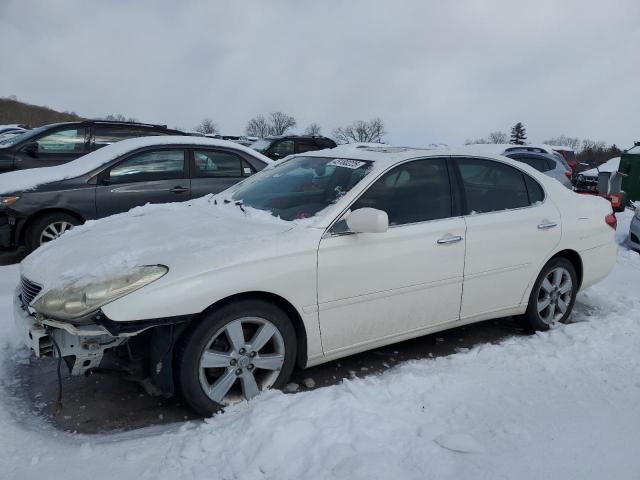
[58,143]
[278,147]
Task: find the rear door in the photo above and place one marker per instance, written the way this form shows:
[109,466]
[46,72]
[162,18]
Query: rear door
[216,170]
[511,230]
[150,176]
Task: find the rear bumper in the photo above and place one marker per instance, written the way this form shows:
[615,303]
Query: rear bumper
[597,263]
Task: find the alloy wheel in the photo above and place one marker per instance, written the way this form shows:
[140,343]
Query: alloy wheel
[554,296]
[54,230]
[241,360]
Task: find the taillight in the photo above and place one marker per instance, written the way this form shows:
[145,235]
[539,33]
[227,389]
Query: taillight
[611,220]
[568,174]
[616,201]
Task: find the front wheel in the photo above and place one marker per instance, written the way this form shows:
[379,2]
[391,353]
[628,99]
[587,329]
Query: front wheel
[49,227]
[234,353]
[552,296]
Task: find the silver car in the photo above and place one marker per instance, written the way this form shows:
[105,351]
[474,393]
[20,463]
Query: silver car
[553,166]
[634,231]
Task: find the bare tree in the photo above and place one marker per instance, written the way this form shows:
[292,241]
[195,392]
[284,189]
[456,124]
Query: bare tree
[565,141]
[206,127]
[118,117]
[280,123]
[361,131]
[313,129]
[258,127]
[498,137]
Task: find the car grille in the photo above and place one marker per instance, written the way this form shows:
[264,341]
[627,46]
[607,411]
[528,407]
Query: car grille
[28,290]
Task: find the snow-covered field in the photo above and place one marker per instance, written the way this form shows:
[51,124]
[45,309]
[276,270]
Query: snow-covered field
[563,404]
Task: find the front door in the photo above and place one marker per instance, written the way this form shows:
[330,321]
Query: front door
[511,231]
[156,176]
[375,288]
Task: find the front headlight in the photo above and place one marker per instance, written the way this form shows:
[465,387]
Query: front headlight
[8,201]
[73,302]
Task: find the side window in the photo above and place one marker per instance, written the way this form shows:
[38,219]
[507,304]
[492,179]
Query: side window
[63,141]
[209,163]
[306,146]
[106,135]
[491,186]
[536,194]
[539,164]
[283,148]
[247,169]
[412,192]
[149,166]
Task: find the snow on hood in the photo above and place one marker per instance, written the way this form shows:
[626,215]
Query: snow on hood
[611,165]
[190,237]
[21,180]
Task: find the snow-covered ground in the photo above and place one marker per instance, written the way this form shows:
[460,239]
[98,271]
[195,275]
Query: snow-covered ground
[558,405]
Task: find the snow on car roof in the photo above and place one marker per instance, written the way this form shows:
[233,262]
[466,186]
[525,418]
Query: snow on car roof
[611,165]
[29,179]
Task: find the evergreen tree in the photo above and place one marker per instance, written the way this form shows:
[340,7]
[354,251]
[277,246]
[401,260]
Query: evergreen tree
[518,134]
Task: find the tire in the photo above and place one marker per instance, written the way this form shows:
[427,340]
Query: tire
[44,229]
[223,340]
[539,317]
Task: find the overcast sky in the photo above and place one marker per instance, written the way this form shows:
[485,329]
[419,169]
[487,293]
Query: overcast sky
[434,71]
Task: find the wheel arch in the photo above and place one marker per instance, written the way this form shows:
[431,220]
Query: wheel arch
[279,301]
[576,261]
[41,213]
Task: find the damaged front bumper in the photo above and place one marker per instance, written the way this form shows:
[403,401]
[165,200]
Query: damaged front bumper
[82,346]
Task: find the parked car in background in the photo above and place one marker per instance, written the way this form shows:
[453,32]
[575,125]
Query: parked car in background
[315,258]
[605,181]
[37,206]
[568,154]
[59,143]
[241,139]
[634,230]
[278,147]
[13,128]
[548,164]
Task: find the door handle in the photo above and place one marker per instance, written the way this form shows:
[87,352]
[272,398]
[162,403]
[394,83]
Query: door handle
[547,225]
[448,239]
[179,190]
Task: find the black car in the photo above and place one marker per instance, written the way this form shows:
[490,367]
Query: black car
[59,143]
[119,177]
[278,147]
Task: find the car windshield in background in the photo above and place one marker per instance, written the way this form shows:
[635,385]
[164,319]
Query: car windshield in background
[8,142]
[301,187]
[261,145]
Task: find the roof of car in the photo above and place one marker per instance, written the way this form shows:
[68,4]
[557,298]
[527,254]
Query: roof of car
[110,122]
[277,137]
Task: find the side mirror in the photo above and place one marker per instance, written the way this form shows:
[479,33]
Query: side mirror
[368,220]
[31,149]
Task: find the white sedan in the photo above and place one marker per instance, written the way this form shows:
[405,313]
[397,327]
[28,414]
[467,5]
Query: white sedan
[310,260]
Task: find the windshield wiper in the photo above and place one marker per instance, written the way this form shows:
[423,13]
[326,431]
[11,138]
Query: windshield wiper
[236,202]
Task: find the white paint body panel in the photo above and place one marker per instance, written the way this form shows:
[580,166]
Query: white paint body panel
[352,292]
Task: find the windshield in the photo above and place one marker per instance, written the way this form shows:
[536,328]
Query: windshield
[301,187]
[8,142]
[261,145]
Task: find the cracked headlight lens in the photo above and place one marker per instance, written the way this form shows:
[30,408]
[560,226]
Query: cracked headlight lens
[68,303]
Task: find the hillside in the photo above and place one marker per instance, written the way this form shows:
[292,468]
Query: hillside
[15,111]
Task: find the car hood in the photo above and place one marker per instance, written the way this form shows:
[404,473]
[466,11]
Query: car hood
[189,238]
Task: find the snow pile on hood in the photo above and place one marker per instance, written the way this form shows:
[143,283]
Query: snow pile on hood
[611,165]
[195,235]
[563,404]
[21,180]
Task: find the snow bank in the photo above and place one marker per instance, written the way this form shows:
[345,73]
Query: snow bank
[13,182]
[558,405]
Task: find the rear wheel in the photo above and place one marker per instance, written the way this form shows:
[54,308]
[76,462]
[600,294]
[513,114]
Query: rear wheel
[553,295]
[49,227]
[234,353]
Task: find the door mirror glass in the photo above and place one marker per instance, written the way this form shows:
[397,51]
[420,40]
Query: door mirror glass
[368,220]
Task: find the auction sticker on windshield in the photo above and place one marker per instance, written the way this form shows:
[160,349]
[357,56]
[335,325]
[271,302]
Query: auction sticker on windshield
[343,162]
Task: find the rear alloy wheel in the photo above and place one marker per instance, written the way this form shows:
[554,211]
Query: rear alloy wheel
[553,295]
[48,228]
[235,353]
